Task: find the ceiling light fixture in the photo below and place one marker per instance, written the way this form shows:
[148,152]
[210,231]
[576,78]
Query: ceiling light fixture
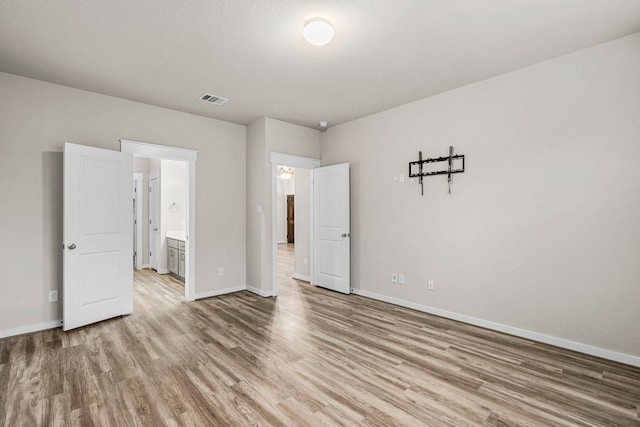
[285,172]
[318,31]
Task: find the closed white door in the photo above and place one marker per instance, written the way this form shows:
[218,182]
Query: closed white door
[154,220]
[331,227]
[98,237]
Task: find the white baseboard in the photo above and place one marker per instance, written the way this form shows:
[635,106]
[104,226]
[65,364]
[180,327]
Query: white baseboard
[265,294]
[162,271]
[143,266]
[220,292]
[281,242]
[523,333]
[4,333]
[302,277]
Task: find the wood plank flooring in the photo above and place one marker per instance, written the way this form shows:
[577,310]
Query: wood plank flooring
[309,357]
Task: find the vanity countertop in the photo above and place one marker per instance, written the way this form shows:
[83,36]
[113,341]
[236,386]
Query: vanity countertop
[176,236]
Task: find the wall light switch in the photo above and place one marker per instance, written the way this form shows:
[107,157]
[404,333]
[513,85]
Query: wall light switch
[259,209]
[53,296]
[401,177]
[401,279]
[394,278]
[221,271]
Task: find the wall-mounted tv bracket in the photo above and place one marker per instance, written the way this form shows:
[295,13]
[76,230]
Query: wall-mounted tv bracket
[416,169]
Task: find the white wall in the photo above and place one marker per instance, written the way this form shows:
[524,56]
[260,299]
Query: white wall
[36,118]
[542,231]
[302,224]
[173,189]
[141,165]
[264,137]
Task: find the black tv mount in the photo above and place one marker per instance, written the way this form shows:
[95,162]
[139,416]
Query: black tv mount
[416,169]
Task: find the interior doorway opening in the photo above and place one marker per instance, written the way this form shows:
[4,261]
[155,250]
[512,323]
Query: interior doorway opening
[293,211]
[180,210]
[292,176]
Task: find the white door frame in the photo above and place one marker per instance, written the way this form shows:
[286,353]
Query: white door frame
[138,179]
[142,149]
[295,162]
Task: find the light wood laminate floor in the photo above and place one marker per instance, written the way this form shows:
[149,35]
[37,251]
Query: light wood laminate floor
[309,357]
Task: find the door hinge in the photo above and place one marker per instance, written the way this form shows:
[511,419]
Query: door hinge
[149,253]
[149,221]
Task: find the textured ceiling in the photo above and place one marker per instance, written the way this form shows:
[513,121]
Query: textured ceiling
[385,52]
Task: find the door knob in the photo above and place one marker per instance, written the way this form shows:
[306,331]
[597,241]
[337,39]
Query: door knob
[155,229]
[71,246]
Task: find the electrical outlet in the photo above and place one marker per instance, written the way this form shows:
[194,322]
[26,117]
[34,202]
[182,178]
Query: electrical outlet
[401,177]
[394,278]
[430,285]
[221,271]
[401,279]
[53,296]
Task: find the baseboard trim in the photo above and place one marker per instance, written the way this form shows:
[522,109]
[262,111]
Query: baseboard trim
[265,294]
[219,292]
[164,271]
[143,266]
[280,242]
[5,333]
[302,277]
[523,333]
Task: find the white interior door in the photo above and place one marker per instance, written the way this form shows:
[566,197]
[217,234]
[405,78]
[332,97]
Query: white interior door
[154,220]
[98,238]
[331,227]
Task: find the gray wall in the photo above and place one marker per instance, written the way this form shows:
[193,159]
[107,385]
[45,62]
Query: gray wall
[542,231]
[256,194]
[36,118]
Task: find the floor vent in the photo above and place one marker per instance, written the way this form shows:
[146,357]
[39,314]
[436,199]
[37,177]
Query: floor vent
[217,100]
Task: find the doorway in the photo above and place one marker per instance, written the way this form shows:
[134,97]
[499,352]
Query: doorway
[294,224]
[189,158]
[300,250]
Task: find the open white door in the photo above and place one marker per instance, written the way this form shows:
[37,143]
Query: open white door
[98,237]
[331,230]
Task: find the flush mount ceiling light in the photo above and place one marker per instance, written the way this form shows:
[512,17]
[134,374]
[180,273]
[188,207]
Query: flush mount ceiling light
[318,31]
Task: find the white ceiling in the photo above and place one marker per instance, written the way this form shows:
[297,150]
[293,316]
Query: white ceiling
[385,53]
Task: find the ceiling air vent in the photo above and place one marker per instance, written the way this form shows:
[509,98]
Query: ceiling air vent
[217,100]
